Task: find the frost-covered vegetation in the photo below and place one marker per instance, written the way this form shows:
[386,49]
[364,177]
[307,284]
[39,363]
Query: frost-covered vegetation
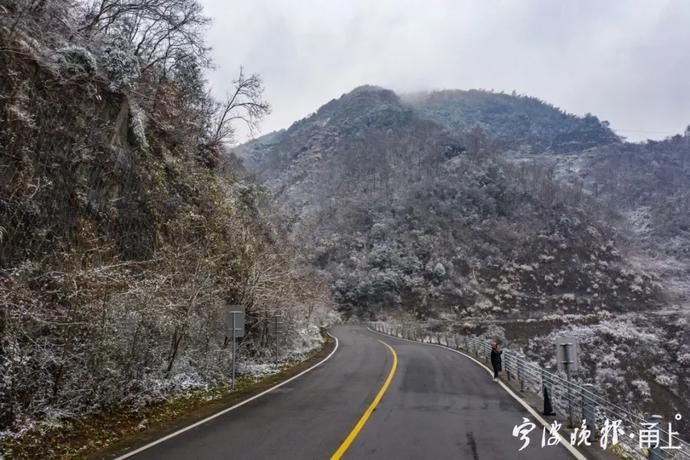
[430,209]
[404,215]
[634,360]
[120,243]
[514,122]
[648,184]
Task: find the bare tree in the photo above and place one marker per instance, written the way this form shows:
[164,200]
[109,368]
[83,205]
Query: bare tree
[157,30]
[245,105]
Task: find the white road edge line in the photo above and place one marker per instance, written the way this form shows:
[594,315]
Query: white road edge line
[576,453]
[225,411]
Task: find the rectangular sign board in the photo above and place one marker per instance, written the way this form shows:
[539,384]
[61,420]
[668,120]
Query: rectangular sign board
[276,326]
[567,353]
[234,315]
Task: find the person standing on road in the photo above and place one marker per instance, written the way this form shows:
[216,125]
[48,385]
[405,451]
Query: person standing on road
[496,361]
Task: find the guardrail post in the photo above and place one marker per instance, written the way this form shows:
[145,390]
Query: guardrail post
[571,420]
[518,363]
[546,388]
[589,408]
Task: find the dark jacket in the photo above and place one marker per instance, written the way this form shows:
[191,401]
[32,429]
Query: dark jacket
[496,359]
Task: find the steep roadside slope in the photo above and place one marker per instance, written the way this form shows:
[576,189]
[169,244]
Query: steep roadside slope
[119,246]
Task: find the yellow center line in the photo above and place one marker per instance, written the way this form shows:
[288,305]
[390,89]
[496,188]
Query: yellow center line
[358,427]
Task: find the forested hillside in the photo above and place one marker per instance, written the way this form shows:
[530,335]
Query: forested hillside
[649,185]
[120,244]
[514,122]
[464,231]
[402,215]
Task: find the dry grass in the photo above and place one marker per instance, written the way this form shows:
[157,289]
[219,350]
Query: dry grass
[107,434]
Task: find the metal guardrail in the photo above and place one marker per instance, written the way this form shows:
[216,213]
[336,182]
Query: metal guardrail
[577,401]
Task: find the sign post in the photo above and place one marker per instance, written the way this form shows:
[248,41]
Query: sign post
[277,339]
[276,326]
[566,355]
[234,328]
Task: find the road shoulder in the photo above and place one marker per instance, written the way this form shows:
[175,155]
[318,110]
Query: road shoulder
[110,435]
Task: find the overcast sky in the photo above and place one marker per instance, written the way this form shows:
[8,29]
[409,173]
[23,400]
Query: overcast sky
[625,61]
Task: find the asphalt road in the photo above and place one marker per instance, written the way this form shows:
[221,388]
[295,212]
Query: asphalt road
[439,405]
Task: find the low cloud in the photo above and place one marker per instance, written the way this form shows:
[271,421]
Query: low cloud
[626,62]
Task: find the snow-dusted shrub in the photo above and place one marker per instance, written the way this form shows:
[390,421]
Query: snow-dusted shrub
[665,379]
[119,64]
[439,270]
[74,62]
[378,230]
[610,378]
[642,387]
[137,125]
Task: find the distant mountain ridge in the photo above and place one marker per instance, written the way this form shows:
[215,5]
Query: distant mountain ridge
[369,169]
[513,121]
[488,213]
[367,106]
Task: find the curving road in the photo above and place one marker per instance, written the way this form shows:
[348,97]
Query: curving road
[439,405]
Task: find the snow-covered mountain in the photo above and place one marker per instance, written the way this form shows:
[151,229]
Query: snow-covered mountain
[422,207]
